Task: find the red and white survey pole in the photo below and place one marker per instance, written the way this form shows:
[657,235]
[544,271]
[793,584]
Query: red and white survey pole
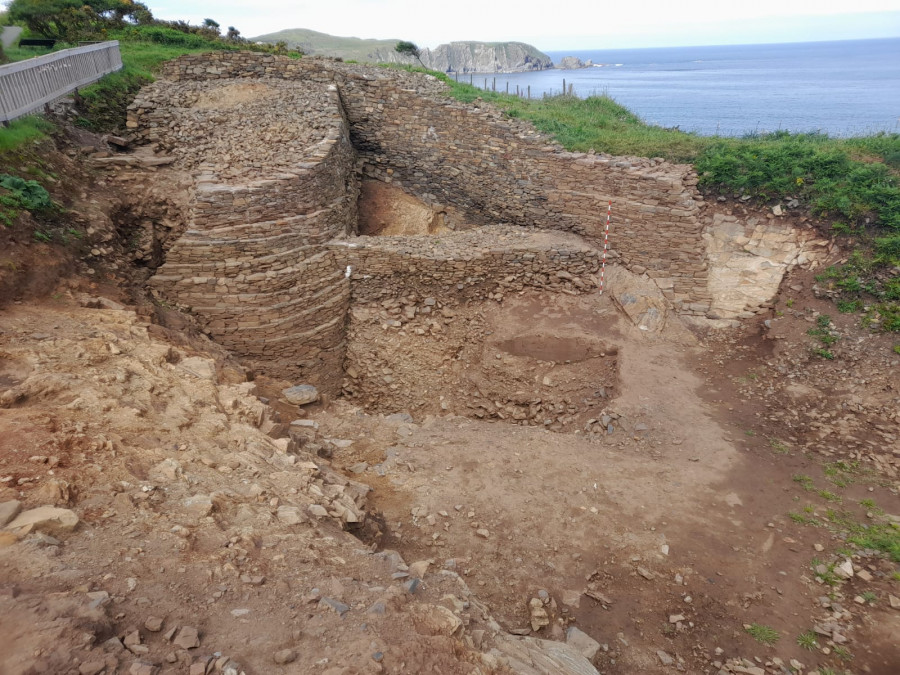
[605,246]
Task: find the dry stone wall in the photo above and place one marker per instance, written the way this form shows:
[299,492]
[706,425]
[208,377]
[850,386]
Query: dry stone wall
[251,263]
[277,146]
[500,170]
[477,264]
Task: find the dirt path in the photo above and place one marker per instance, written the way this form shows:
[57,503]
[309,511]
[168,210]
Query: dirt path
[669,514]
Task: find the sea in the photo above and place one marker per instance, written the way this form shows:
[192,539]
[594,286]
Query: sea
[846,88]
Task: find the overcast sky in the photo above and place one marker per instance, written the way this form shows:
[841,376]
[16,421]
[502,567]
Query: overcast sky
[571,24]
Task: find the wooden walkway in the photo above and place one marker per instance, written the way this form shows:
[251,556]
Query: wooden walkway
[26,86]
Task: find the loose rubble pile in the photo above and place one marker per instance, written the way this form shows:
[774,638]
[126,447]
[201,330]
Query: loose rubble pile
[430,357]
[211,514]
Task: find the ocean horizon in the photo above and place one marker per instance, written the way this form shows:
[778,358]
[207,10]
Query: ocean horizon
[842,88]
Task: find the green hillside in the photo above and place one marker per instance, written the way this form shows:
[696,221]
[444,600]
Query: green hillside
[348,48]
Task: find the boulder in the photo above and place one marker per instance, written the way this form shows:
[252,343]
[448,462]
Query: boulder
[639,298]
[530,656]
[49,519]
[301,394]
[9,510]
[581,641]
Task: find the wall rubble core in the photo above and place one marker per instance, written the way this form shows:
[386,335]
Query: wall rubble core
[282,147]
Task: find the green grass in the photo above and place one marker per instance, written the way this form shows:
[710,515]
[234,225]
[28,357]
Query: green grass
[23,130]
[24,53]
[808,640]
[828,577]
[802,519]
[841,473]
[843,654]
[805,482]
[763,634]
[779,446]
[830,496]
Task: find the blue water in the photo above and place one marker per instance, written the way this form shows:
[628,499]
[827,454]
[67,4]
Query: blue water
[841,88]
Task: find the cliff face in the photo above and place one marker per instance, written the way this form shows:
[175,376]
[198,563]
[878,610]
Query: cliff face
[486,57]
[472,57]
[463,57]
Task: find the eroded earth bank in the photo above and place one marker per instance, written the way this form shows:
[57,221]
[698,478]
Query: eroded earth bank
[506,470]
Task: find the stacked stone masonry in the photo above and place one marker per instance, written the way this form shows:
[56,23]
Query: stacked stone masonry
[264,260]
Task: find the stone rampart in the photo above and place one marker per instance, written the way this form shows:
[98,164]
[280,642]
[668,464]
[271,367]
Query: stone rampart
[500,170]
[251,264]
[476,264]
[277,146]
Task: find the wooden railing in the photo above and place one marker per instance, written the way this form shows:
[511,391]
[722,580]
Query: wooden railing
[26,86]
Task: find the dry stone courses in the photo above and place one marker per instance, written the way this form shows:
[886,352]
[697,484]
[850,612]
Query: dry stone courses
[277,148]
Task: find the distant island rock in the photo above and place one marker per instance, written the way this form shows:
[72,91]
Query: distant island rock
[486,57]
[456,57]
[573,63]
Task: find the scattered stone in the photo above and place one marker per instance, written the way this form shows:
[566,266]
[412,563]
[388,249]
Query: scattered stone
[290,515]
[198,506]
[539,616]
[284,656]
[153,624]
[91,668]
[188,638]
[142,668]
[483,533]
[675,618]
[166,471]
[844,570]
[48,519]
[317,511]
[9,510]
[339,607]
[647,574]
[253,580]
[864,575]
[894,601]
[581,641]
[665,658]
[418,569]
[301,394]
[113,646]
[240,612]
[572,598]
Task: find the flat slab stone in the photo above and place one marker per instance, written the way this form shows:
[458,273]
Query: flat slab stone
[48,519]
